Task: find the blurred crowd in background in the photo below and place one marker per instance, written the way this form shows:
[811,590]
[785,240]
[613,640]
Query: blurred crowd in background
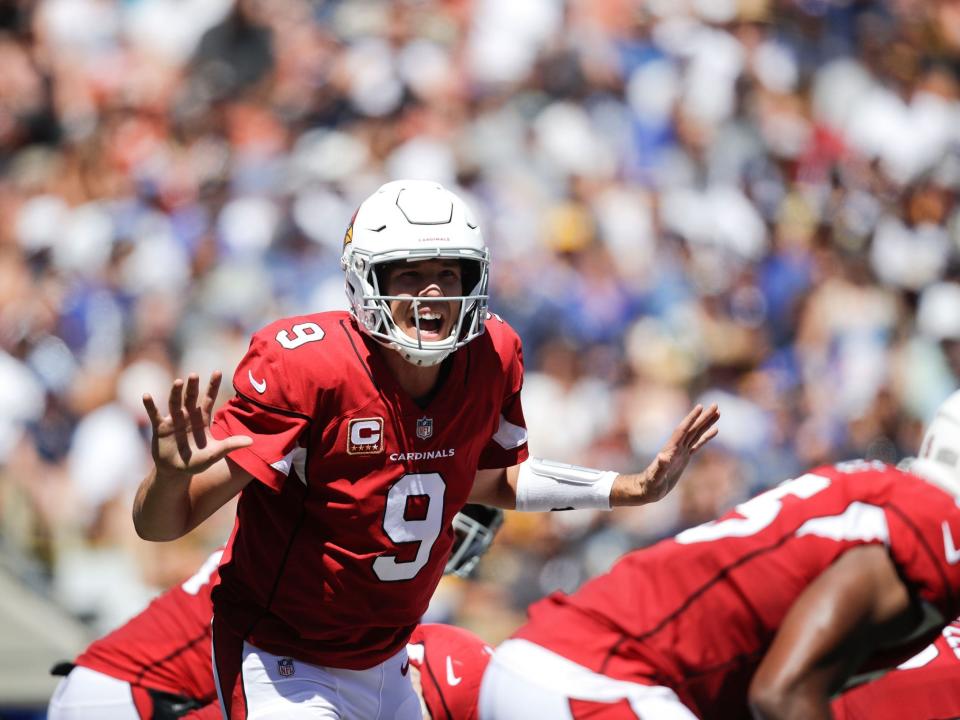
[750,202]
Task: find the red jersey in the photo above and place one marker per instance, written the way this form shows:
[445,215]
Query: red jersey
[451,661]
[167,646]
[925,687]
[343,536]
[697,612]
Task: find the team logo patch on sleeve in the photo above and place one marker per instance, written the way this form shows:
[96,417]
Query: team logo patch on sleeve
[285,667]
[365,436]
[424,428]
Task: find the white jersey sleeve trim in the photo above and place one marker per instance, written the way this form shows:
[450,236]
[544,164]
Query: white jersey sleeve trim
[296,459]
[509,436]
[284,464]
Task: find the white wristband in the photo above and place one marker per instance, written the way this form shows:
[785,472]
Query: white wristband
[547,485]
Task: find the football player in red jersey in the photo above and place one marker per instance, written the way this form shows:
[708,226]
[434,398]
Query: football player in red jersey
[157,666]
[154,667]
[769,610]
[925,687]
[353,439]
[446,665]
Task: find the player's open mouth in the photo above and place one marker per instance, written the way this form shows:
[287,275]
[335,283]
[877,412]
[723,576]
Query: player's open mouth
[431,325]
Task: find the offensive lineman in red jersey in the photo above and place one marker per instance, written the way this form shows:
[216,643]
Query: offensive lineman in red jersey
[156,666]
[770,609]
[447,664]
[353,439]
[925,687]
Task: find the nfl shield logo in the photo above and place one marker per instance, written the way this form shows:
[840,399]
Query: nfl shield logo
[424,428]
[285,666]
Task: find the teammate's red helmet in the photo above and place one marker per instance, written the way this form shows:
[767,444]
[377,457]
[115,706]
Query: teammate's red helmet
[451,662]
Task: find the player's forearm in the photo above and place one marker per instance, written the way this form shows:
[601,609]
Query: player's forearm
[796,679]
[170,504]
[548,488]
[162,508]
[496,488]
[537,485]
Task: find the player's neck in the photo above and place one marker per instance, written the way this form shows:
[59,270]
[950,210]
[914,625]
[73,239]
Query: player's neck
[417,381]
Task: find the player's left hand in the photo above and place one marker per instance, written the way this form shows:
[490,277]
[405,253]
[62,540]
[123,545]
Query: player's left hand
[653,484]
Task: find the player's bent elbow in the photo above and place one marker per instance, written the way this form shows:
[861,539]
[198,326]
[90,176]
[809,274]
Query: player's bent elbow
[150,533]
[164,511]
[153,529]
[158,537]
[763,708]
[768,701]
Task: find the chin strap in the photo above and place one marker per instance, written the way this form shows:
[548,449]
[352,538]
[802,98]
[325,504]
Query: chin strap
[547,485]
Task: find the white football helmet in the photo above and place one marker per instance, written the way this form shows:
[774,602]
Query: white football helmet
[939,456]
[475,527]
[407,221]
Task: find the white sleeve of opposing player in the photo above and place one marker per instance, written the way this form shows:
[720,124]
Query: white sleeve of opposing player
[547,485]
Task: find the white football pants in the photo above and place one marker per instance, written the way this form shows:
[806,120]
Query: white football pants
[523,675]
[277,688]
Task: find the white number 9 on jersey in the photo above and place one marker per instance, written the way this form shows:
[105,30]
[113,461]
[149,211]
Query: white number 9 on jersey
[300,335]
[401,530]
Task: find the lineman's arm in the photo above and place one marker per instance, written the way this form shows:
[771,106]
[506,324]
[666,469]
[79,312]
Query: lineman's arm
[542,485]
[191,477]
[855,605]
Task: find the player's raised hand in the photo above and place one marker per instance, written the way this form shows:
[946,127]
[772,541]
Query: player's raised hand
[182,442]
[653,484]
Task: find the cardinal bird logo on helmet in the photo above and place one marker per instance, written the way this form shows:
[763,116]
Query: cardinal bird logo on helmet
[348,235]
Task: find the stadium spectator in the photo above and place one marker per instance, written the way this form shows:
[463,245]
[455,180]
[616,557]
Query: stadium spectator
[155,666]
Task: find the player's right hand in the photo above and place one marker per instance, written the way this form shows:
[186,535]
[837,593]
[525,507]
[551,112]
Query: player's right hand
[182,442]
[653,484]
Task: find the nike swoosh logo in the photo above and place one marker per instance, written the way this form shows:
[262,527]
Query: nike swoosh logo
[404,667]
[953,554]
[452,680]
[260,387]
